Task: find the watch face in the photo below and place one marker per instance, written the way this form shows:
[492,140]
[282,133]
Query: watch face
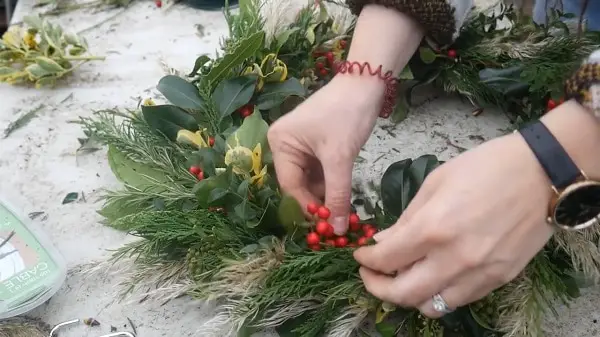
[578,206]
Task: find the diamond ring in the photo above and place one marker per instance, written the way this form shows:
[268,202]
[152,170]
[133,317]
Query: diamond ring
[440,305]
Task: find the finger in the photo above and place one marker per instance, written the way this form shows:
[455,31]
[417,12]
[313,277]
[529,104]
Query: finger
[378,285]
[338,191]
[292,179]
[467,289]
[397,248]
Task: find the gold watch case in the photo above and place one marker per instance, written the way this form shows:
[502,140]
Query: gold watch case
[557,213]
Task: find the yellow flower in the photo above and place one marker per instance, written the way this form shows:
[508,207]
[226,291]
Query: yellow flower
[148,102]
[29,40]
[274,68]
[246,162]
[193,138]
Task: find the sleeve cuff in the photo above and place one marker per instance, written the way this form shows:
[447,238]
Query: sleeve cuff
[584,85]
[441,18]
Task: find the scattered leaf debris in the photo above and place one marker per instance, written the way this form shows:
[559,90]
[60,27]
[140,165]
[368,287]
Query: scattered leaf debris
[70,197]
[34,215]
[91,322]
[22,120]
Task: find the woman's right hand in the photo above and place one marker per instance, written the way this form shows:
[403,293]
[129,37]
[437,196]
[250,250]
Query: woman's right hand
[314,146]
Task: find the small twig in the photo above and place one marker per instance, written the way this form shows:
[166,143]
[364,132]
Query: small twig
[102,22]
[22,120]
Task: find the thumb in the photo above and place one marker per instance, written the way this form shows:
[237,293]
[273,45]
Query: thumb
[338,191]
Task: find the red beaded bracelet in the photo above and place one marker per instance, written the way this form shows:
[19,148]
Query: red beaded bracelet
[389,96]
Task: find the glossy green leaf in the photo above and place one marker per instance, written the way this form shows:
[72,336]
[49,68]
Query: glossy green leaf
[180,92]
[245,49]
[291,215]
[168,119]
[204,188]
[386,329]
[234,93]
[70,197]
[421,167]
[427,55]
[200,62]
[245,211]
[396,187]
[132,173]
[217,194]
[400,110]
[274,94]
[284,36]
[244,188]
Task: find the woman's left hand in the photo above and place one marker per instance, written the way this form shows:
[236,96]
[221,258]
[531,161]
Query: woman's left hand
[473,226]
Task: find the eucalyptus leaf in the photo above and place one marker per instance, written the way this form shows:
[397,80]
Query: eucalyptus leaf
[274,94]
[204,188]
[291,215]
[245,49]
[427,55]
[49,64]
[386,329]
[217,194]
[180,92]
[245,211]
[36,71]
[234,93]
[168,119]
[252,132]
[132,173]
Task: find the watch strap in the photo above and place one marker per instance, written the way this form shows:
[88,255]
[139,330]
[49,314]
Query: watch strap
[558,165]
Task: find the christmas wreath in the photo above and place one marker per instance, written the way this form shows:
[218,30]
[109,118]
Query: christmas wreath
[201,195]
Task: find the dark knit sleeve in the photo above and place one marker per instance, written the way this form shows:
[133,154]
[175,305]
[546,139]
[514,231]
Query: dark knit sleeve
[584,85]
[441,18]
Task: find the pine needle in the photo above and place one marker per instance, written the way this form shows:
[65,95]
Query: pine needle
[22,120]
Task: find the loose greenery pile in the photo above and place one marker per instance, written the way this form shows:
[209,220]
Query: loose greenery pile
[41,54]
[201,194]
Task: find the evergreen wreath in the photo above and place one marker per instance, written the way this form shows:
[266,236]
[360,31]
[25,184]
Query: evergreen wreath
[201,195]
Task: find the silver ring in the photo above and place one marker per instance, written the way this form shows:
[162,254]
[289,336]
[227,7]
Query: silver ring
[440,305]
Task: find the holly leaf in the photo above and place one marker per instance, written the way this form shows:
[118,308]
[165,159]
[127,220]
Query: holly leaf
[245,49]
[200,62]
[252,132]
[131,172]
[168,119]
[274,94]
[180,92]
[234,93]
[291,215]
[427,55]
[397,188]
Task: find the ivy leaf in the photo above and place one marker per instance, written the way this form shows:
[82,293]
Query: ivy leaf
[234,93]
[180,92]
[168,119]
[274,94]
[421,167]
[427,55]
[70,197]
[131,172]
[396,187]
[386,329]
[245,49]
[291,214]
[200,62]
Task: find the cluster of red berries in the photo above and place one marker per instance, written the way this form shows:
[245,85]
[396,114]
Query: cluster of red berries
[551,104]
[197,172]
[323,235]
[246,110]
[325,61]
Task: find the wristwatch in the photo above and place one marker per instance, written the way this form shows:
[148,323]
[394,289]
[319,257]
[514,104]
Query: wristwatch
[575,204]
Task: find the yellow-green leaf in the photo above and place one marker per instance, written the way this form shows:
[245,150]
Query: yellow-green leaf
[133,173]
[35,71]
[406,74]
[49,64]
[252,132]
[310,34]
[427,55]
[48,81]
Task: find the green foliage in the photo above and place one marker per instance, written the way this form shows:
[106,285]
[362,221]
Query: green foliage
[232,94]
[180,92]
[130,172]
[274,94]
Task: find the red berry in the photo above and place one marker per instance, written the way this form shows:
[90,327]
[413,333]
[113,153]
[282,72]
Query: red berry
[353,221]
[352,244]
[319,65]
[246,110]
[551,104]
[323,228]
[329,56]
[195,170]
[362,241]
[370,232]
[211,141]
[323,212]
[324,72]
[330,232]
[330,242]
[367,227]
[341,241]
[315,247]
[312,208]
[343,44]
[313,238]
[354,227]
[158,3]
[452,53]
[200,175]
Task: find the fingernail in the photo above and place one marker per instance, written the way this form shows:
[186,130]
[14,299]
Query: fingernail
[340,225]
[380,235]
